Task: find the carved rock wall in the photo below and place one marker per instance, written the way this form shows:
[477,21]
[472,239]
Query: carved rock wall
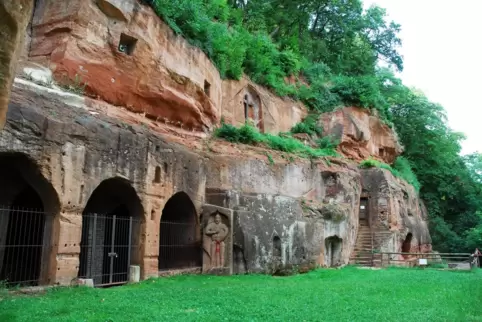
[278,114]
[394,207]
[128,57]
[288,203]
[361,135]
[76,150]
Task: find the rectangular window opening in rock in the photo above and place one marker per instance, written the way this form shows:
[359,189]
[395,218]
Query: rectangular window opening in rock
[127,44]
[207,88]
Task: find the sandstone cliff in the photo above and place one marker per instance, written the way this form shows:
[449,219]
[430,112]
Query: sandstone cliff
[139,147]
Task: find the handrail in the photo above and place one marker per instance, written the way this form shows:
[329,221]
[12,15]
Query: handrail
[441,254]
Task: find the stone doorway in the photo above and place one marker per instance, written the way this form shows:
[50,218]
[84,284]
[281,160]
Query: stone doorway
[179,235]
[363,213]
[407,244]
[333,250]
[28,205]
[111,233]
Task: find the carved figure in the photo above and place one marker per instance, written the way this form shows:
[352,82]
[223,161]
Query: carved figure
[218,233]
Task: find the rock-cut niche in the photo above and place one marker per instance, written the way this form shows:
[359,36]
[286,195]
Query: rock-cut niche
[253,108]
[333,250]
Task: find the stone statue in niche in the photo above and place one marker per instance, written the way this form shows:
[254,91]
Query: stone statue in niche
[218,232]
[217,240]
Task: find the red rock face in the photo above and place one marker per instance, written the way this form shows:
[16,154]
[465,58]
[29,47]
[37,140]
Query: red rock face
[361,135]
[125,55]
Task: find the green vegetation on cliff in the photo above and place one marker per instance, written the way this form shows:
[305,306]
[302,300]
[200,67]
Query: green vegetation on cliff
[331,51]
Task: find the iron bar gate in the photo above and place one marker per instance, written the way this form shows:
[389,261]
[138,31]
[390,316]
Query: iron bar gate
[106,248]
[22,246]
[179,246]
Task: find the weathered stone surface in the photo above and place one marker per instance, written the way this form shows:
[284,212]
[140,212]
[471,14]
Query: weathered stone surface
[15,15]
[361,135]
[395,208]
[77,150]
[278,215]
[128,57]
[275,114]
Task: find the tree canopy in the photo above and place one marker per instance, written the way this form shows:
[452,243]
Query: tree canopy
[333,50]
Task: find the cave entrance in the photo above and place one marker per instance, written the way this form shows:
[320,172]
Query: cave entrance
[407,243]
[333,248]
[28,204]
[110,233]
[179,237]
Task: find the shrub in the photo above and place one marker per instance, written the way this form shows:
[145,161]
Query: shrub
[248,134]
[403,167]
[401,170]
[309,125]
[327,142]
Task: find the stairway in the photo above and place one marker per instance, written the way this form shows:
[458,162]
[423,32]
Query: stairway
[362,253]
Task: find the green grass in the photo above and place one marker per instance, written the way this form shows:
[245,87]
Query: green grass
[348,294]
[248,134]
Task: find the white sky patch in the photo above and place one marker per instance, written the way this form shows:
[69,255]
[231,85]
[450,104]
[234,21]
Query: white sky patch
[442,50]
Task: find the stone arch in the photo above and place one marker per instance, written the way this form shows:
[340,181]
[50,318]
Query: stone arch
[407,244]
[179,234]
[277,247]
[253,108]
[111,232]
[333,251]
[29,205]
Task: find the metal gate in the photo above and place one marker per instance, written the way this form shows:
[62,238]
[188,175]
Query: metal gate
[22,246]
[179,246]
[106,248]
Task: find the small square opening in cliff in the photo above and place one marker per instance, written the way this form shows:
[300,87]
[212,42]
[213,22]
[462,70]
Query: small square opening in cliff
[207,88]
[127,44]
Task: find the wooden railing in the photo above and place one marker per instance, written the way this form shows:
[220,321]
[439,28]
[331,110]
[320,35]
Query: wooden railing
[441,260]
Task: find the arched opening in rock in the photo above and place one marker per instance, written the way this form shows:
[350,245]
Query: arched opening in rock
[253,108]
[179,237]
[239,262]
[276,247]
[28,206]
[407,243]
[111,233]
[333,248]
[157,175]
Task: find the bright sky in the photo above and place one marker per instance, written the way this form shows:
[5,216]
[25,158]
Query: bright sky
[442,49]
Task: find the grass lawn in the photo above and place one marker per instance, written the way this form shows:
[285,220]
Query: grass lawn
[348,294]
